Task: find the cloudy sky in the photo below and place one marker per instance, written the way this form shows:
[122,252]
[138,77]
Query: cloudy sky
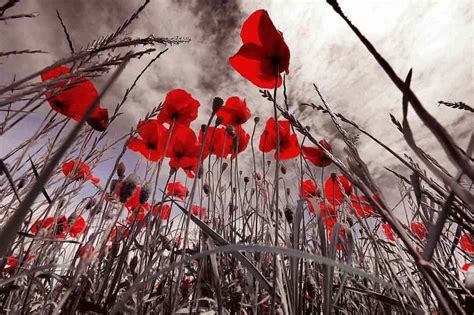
[435,38]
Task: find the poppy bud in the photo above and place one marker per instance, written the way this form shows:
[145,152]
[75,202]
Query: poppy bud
[224,166]
[128,187]
[203,128]
[234,190]
[258,176]
[283,170]
[121,168]
[90,203]
[333,177]
[256,119]
[288,191]
[246,179]
[199,171]
[217,103]
[113,184]
[206,188]
[21,183]
[144,193]
[289,215]
[268,163]
[218,121]
[230,131]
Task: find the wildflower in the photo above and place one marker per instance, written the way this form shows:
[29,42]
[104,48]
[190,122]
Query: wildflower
[78,170]
[467,243]
[235,112]
[183,150]
[264,54]
[240,142]
[362,207]
[316,155]
[75,97]
[163,210]
[198,211]
[332,189]
[309,188]
[59,223]
[136,216]
[179,107]
[177,190]
[419,229]
[76,225]
[217,142]
[152,141]
[387,229]
[288,141]
[11,265]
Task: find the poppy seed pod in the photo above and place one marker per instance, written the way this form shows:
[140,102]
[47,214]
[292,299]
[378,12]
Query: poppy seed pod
[219,121]
[224,166]
[144,193]
[230,131]
[288,191]
[21,183]
[283,170]
[246,179]
[289,215]
[203,128]
[121,168]
[206,188]
[128,187]
[256,119]
[90,203]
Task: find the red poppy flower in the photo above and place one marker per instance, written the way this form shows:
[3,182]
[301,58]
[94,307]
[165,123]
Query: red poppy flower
[75,100]
[218,142]
[177,190]
[288,141]
[152,141]
[179,106]
[183,150]
[198,211]
[78,170]
[60,224]
[235,112]
[136,216]
[419,229]
[11,265]
[332,189]
[467,243]
[362,206]
[466,266]
[309,188]
[163,210]
[242,139]
[76,225]
[387,229]
[264,54]
[316,156]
